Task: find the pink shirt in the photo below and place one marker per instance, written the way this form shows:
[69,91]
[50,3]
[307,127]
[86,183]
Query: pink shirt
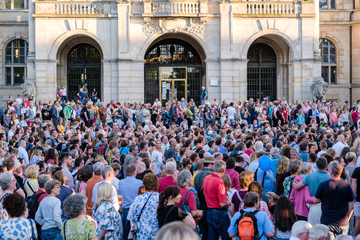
[333,118]
[249,152]
[302,197]
[234,176]
[83,186]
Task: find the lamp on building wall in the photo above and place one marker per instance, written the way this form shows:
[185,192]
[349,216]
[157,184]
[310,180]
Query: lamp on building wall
[16,53]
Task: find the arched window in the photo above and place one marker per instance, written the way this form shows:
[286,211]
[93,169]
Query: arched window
[15,62]
[328,57]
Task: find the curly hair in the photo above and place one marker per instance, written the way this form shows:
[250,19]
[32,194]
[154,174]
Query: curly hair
[14,205]
[74,205]
[151,182]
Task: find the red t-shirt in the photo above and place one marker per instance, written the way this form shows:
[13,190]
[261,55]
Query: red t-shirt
[355,116]
[42,196]
[165,182]
[214,191]
[190,199]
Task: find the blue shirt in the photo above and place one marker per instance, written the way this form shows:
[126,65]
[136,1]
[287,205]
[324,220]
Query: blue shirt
[274,166]
[314,179]
[304,156]
[263,222]
[269,184]
[222,149]
[128,188]
[114,199]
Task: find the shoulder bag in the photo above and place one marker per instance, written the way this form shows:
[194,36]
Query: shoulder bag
[135,226]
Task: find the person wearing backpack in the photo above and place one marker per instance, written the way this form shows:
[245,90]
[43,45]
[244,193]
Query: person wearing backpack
[250,223]
[49,212]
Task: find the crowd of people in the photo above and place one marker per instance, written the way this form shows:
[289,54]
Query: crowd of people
[257,169]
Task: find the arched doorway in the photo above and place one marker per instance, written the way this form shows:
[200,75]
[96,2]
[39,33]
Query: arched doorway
[173,69]
[261,72]
[83,66]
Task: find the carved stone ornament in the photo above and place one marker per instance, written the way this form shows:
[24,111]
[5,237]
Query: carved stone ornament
[124,1]
[167,25]
[29,90]
[319,89]
[225,1]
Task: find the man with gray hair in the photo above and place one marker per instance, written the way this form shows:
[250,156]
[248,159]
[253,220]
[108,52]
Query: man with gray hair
[258,146]
[319,232]
[128,188]
[107,174]
[97,167]
[22,151]
[294,153]
[169,180]
[42,180]
[8,185]
[216,201]
[337,198]
[300,230]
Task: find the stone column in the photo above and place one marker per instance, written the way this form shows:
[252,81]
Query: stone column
[124,80]
[355,54]
[46,83]
[31,72]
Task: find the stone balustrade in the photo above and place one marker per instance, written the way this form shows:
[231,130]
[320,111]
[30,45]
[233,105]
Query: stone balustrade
[79,8]
[283,8]
[175,8]
[75,8]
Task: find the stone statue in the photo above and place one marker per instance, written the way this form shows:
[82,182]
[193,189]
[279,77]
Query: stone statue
[319,89]
[29,91]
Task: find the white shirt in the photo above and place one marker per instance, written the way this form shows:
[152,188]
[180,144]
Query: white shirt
[321,152]
[23,154]
[338,147]
[63,92]
[19,101]
[230,112]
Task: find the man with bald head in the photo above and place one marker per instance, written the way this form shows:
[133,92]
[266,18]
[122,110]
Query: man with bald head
[22,151]
[340,144]
[141,170]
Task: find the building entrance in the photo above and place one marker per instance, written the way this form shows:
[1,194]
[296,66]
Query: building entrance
[83,66]
[172,70]
[261,72]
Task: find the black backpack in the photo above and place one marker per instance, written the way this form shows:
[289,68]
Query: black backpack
[32,204]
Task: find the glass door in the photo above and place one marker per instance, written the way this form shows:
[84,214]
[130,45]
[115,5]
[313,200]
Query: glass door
[173,84]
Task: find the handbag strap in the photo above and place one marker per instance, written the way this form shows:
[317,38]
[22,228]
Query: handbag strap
[238,194]
[168,214]
[32,230]
[144,207]
[30,186]
[64,229]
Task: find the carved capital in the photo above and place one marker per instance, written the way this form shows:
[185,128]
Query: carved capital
[124,1]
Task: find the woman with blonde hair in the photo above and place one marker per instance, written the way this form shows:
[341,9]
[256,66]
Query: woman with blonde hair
[252,157]
[272,200]
[245,178]
[281,173]
[36,156]
[113,144]
[157,157]
[108,219]
[31,183]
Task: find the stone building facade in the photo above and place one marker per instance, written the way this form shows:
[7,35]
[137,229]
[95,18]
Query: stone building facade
[141,50]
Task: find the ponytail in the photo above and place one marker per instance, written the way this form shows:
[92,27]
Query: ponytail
[171,191]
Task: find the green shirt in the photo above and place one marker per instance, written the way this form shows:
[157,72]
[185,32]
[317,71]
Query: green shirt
[189,114]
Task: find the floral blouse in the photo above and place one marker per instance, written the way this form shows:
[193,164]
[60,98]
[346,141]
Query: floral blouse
[288,186]
[78,229]
[148,224]
[109,219]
